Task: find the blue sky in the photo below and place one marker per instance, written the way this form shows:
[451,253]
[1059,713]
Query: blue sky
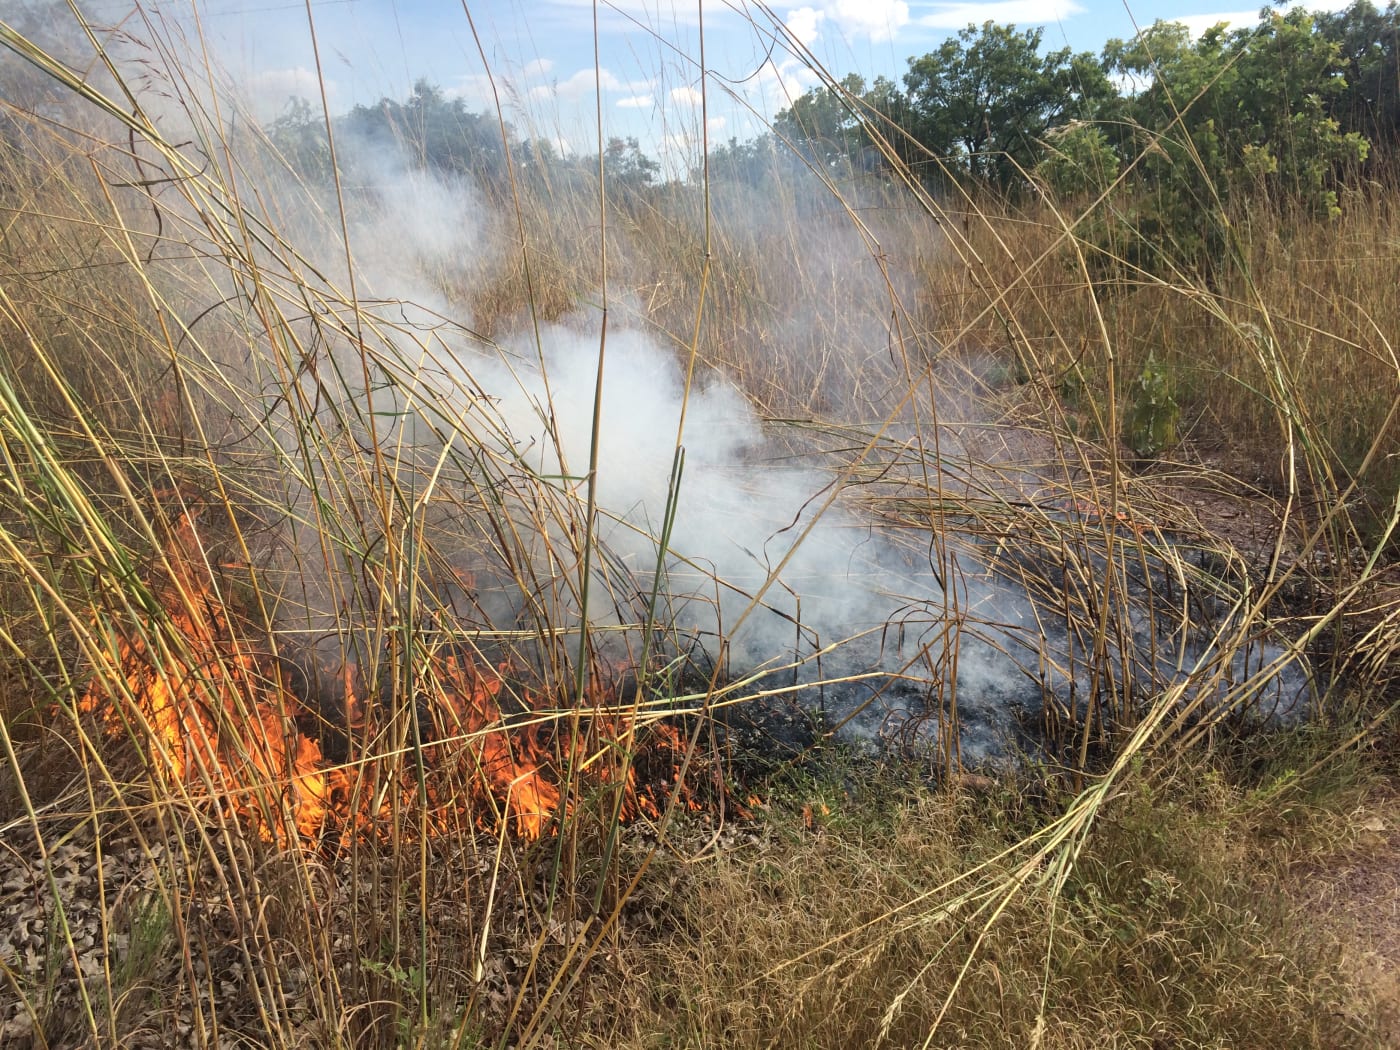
[552,64]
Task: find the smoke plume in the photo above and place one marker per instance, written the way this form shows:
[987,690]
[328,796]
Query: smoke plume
[711,540]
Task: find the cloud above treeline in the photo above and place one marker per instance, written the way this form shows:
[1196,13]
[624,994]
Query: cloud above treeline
[881,20]
[1019,12]
[874,20]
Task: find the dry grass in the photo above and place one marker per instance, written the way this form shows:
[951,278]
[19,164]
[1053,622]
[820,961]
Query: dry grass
[1181,925]
[182,358]
[1304,327]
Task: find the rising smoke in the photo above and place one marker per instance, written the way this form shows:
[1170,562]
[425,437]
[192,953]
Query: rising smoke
[705,528]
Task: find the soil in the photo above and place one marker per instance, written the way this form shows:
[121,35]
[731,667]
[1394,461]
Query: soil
[1356,898]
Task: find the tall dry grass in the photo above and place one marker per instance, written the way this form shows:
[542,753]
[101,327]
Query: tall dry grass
[1300,326]
[192,395]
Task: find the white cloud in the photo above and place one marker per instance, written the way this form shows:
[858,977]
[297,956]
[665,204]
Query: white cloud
[655,13]
[873,19]
[686,96]
[787,79]
[636,102]
[474,89]
[580,84]
[777,86]
[1198,24]
[804,24]
[510,82]
[876,19]
[1020,12]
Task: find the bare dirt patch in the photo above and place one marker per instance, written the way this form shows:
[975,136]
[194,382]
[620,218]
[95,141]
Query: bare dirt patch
[1356,897]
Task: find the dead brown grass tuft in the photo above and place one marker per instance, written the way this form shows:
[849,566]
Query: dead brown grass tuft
[1180,925]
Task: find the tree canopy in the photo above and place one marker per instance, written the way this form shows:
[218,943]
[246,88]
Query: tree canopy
[1368,44]
[985,99]
[434,130]
[1282,111]
[1249,109]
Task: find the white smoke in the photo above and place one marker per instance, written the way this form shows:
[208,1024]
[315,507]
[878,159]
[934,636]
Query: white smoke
[761,563]
[764,564]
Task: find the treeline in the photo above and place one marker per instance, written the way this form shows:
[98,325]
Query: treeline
[433,130]
[1283,104]
[1284,113]
[1184,133]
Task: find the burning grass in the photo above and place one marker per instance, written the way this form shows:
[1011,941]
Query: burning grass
[221,721]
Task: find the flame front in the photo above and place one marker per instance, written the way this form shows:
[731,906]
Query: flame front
[224,725]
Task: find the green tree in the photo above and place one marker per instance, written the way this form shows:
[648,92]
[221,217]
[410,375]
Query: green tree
[434,131]
[985,99]
[1077,159]
[1368,44]
[1227,119]
[299,135]
[829,127]
[755,162]
[626,167]
[1237,107]
[851,128]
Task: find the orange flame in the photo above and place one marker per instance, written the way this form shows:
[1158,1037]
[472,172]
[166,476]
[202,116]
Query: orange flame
[223,724]
[188,679]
